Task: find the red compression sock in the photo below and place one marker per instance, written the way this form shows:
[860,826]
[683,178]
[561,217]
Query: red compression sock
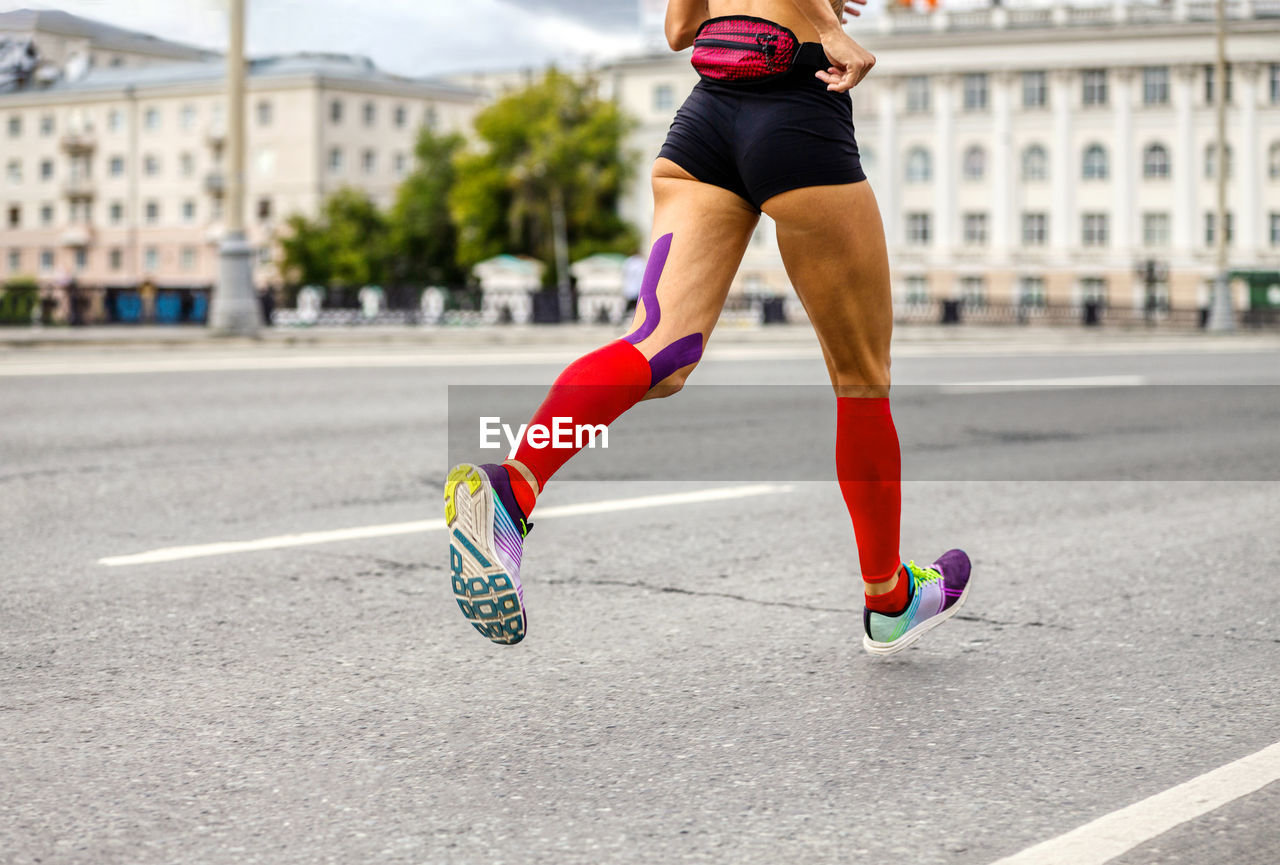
[869,467]
[595,389]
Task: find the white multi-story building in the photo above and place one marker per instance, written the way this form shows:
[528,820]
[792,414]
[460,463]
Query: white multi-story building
[1041,154]
[116,177]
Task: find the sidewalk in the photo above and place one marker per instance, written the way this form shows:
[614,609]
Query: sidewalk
[157,336]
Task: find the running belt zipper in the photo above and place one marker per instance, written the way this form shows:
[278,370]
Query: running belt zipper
[765,43]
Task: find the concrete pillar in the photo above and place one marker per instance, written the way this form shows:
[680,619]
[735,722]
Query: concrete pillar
[944,173]
[1003,167]
[1063,171]
[1123,165]
[887,193]
[1247,164]
[1185,161]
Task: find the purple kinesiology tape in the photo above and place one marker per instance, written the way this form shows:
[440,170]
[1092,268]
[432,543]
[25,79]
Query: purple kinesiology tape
[683,351]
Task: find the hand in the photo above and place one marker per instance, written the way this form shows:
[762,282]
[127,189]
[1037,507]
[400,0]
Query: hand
[850,62]
[851,8]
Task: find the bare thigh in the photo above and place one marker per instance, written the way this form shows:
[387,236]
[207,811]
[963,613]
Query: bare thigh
[832,244]
[710,228]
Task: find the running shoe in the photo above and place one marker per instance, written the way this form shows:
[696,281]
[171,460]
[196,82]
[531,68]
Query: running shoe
[486,535]
[937,593]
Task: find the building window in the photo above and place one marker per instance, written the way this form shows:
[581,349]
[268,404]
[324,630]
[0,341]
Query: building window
[664,97]
[335,160]
[975,91]
[1209,72]
[1211,161]
[370,114]
[1209,235]
[152,212]
[1094,84]
[151,119]
[189,210]
[917,94]
[400,117]
[1093,229]
[15,216]
[187,258]
[1155,162]
[116,166]
[266,162]
[151,165]
[264,209]
[15,260]
[1155,85]
[115,259]
[1034,231]
[919,167]
[81,212]
[46,214]
[335,112]
[867,159]
[1275,229]
[401,163]
[369,161]
[1155,230]
[918,229]
[81,258]
[1035,163]
[47,125]
[15,125]
[917,290]
[264,113]
[115,120]
[1273,161]
[975,229]
[1095,163]
[975,163]
[1031,291]
[150,259]
[186,164]
[1275,83]
[973,291]
[13,171]
[46,260]
[1093,289]
[431,118]
[187,118]
[116,212]
[1035,89]
[46,169]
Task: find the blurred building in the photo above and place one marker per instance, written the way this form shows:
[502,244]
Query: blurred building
[1042,154]
[113,166]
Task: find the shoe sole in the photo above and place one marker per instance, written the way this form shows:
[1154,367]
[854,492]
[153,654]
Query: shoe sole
[488,596]
[877,648]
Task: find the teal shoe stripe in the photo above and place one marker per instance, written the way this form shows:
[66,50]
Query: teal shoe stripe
[484,563]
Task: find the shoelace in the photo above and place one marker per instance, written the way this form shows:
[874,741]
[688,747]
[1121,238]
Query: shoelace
[923,575]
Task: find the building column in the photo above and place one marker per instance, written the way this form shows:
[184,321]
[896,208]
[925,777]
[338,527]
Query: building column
[1003,168]
[1063,175]
[944,174]
[1184,163]
[1247,165]
[1123,167]
[888,192]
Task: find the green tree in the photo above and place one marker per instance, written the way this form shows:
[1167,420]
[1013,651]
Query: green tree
[347,245]
[424,241]
[554,141]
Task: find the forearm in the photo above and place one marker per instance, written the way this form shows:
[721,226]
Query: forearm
[684,17]
[821,14]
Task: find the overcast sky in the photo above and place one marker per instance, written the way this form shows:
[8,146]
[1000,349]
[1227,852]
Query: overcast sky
[411,37]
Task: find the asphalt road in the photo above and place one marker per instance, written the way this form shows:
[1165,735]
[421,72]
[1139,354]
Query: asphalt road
[692,689]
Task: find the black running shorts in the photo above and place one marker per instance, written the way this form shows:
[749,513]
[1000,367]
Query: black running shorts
[760,140]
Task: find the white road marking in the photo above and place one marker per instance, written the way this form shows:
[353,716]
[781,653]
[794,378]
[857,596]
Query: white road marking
[1022,384]
[304,539]
[1120,831]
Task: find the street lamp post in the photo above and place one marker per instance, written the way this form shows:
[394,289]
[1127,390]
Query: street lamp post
[1221,315]
[234,309]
